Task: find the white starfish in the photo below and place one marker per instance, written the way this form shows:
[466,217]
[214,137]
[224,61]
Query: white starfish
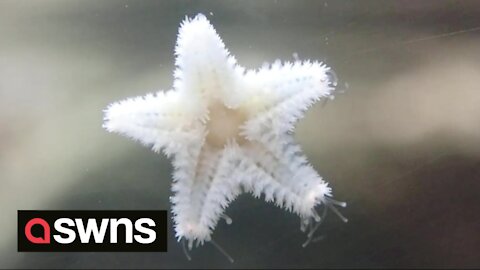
[228,131]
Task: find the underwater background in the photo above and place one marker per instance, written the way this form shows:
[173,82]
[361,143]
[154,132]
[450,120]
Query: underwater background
[401,144]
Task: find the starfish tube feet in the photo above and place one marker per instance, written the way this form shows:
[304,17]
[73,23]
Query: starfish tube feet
[314,222]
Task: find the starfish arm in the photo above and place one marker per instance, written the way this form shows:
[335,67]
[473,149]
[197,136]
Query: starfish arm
[281,93]
[204,185]
[163,120]
[284,177]
[204,67]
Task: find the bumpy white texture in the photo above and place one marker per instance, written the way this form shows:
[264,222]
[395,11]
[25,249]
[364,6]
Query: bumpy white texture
[227,130]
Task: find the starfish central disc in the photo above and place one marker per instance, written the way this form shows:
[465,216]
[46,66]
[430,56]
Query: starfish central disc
[224,125]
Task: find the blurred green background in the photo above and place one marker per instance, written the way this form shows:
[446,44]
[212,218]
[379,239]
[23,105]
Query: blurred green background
[401,145]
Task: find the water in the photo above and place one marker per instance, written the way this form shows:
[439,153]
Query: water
[401,146]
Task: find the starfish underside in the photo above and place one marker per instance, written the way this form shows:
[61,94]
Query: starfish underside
[228,131]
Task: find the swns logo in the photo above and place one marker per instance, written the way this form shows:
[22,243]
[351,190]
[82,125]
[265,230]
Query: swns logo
[63,231]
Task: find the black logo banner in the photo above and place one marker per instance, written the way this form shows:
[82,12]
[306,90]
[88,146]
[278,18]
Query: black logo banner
[68,231]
